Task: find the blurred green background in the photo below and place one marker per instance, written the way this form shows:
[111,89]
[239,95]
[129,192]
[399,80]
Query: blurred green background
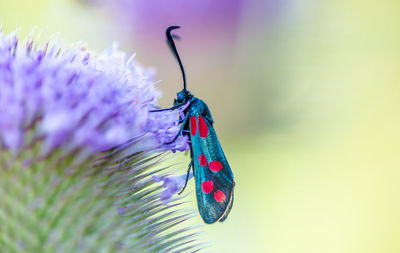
[306,101]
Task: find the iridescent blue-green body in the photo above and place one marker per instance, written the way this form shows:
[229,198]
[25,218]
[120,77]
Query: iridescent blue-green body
[213,175]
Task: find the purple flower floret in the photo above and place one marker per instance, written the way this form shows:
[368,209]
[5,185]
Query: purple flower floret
[172,184]
[74,98]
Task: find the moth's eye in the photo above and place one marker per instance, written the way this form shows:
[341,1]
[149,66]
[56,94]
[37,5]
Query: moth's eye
[179,98]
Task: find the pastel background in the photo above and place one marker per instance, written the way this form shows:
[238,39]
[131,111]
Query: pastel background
[305,95]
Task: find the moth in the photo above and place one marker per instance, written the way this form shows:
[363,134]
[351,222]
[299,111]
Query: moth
[213,175]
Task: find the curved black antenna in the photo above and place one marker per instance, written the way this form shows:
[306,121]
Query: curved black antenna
[171,44]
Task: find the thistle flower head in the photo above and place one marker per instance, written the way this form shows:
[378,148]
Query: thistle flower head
[78,148]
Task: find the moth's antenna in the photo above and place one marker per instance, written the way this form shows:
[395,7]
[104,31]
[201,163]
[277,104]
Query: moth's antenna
[171,44]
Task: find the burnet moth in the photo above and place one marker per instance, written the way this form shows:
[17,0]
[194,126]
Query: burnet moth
[212,173]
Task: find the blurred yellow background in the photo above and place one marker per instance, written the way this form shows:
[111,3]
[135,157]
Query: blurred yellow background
[305,96]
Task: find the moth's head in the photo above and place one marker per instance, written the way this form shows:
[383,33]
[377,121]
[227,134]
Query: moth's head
[182,97]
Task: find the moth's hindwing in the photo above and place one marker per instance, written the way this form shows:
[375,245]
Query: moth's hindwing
[213,176]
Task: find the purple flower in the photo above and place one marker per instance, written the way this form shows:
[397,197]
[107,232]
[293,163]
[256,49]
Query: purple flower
[172,184]
[148,19]
[59,110]
[77,99]
[205,14]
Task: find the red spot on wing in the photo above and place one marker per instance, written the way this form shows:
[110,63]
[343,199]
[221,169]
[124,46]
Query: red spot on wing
[207,186]
[202,160]
[193,125]
[219,196]
[203,128]
[215,166]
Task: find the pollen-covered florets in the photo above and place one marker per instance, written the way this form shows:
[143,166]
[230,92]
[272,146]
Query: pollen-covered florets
[75,98]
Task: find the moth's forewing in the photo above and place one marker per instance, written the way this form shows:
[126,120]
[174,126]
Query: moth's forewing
[213,175]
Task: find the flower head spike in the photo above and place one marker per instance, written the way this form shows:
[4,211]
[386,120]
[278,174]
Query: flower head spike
[77,143]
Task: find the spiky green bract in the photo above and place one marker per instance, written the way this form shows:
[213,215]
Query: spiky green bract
[103,204]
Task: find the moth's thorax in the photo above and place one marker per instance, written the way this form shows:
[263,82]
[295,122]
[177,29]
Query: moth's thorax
[198,107]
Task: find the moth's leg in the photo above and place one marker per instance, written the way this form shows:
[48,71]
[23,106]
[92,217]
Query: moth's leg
[182,114]
[180,130]
[187,175]
[167,109]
